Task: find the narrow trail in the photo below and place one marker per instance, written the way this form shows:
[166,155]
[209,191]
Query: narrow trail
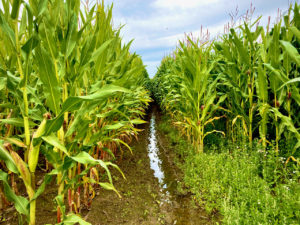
[150,194]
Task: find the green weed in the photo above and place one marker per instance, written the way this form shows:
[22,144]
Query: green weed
[245,186]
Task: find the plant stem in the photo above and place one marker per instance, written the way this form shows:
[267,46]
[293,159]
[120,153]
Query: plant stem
[24,89]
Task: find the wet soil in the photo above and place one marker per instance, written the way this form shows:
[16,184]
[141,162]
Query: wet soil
[151,194]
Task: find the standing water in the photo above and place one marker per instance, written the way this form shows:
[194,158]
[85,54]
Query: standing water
[180,207]
[155,162]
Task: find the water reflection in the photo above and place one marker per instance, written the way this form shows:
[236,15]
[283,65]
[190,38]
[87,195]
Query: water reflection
[153,151]
[178,206]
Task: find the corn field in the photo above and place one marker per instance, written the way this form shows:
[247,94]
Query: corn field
[73,97]
[247,80]
[236,99]
[66,101]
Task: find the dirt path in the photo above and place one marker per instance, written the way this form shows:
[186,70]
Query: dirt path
[149,195]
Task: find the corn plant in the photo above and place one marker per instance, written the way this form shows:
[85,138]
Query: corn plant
[195,100]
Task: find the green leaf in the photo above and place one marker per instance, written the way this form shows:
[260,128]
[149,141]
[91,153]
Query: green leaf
[48,77]
[286,122]
[71,35]
[116,167]
[74,103]
[87,51]
[2,84]
[275,77]
[291,51]
[138,121]
[23,170]
[85,158]
[100,50]
[6,157]
[262,83]
[109,152]
[295,31]
[297,79]
[73,219]
[21,203]
[124,143]
[7,30]
[110,187]
[241,49]
[54,141]
[7,105]
[30,44]
[115,126]
[15,141]
[18,122]
[42,7]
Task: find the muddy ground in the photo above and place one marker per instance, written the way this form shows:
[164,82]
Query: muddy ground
[145,200]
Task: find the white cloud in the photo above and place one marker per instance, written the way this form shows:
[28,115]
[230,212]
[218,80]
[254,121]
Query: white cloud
[183,4]
[171,41]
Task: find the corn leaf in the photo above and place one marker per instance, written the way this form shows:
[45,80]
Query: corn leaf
[21,203]
[6,157]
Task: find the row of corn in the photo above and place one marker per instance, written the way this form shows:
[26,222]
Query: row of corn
[244,85]
[71,95]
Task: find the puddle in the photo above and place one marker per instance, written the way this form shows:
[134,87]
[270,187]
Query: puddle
[178,206]
[156,163]
[153,150]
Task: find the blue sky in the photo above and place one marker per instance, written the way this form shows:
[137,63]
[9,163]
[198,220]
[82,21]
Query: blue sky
[157,25]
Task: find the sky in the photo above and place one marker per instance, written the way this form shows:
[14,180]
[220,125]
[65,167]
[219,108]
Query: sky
[157,25]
